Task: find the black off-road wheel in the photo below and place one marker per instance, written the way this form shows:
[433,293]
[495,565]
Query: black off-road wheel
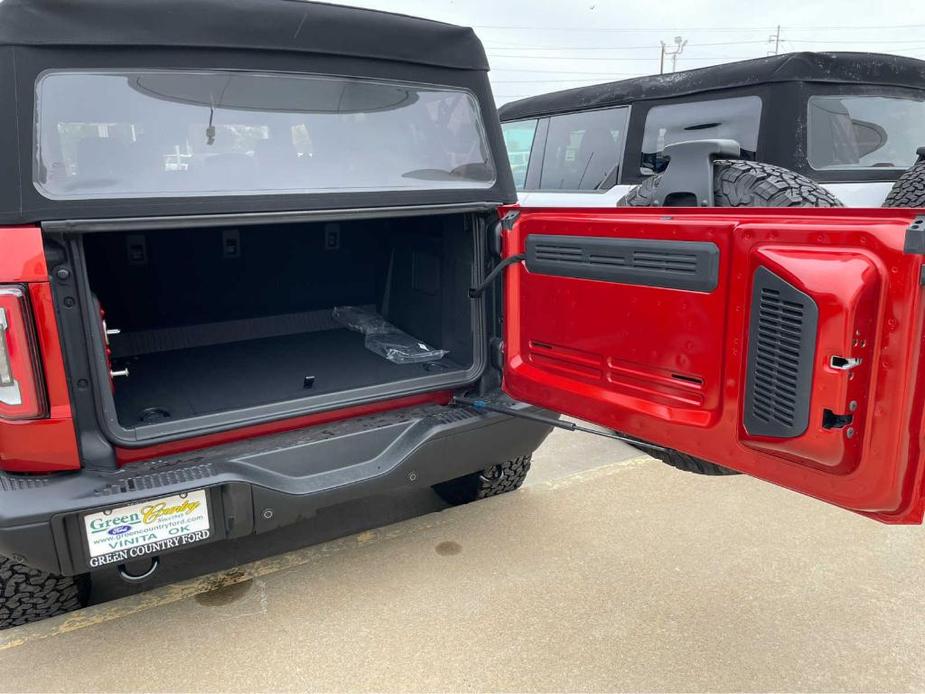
[497,479]
[29,595]
[909,189]
[747,184]
[689,463]
[682,461]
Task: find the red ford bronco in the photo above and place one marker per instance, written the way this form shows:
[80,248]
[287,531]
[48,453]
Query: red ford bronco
[260,257]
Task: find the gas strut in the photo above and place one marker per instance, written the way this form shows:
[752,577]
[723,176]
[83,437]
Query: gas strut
[481,405]
[476,292]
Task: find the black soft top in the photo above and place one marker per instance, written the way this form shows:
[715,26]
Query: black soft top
[278,25]
[833,68]
[287,36]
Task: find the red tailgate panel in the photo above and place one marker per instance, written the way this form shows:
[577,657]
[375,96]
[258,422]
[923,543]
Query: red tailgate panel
[670,364]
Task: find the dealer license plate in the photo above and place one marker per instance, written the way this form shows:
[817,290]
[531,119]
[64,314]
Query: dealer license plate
[131,532]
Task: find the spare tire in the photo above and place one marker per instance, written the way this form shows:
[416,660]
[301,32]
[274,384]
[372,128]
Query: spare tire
[909,189]
[747,184]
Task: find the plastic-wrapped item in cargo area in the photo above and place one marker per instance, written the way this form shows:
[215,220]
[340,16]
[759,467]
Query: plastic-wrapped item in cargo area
[361,319]
[385,339]
[401,348]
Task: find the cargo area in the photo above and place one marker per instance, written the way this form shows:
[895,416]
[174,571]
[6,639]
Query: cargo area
[205,322]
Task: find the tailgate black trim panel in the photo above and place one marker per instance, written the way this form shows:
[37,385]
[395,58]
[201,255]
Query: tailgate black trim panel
[781,355]
[690,265]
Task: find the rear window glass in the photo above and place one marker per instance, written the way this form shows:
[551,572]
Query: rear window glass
[583,150]
[729,119]
[518,139]
[851,132]
[179,133]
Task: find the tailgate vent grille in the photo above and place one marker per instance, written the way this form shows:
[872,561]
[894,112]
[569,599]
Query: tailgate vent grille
[691,265]
[685,263]
[782,346]
[562,254]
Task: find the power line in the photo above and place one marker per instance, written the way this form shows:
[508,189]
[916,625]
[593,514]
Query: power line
[641,58]
[704,29]
[576,79]
[891,42]
[618,48]
[599,59]
[563,72]
[775,37]
[854,27]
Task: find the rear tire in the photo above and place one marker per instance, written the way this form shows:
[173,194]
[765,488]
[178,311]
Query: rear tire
[747,184]
[688,463]
[492,481]
[29,595]
[909,189]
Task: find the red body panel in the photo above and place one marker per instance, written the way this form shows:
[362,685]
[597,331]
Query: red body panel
[49,444]
[669,365]
[23,257]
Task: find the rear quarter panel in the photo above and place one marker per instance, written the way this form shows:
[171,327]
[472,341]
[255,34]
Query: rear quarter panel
[49,444]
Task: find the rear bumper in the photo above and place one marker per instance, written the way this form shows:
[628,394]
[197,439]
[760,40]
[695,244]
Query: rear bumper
[265,483]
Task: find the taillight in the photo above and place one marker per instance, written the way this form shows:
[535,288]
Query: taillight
[22,392]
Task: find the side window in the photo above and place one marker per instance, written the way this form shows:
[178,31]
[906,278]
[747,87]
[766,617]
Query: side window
[858,131]
[583,150]
[518,139]
[731,119]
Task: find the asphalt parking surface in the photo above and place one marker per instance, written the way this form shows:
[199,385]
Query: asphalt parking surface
[609,571]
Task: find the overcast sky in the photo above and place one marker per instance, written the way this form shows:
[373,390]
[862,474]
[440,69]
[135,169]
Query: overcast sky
[545,45]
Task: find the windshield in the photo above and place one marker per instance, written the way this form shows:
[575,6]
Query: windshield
[852,132]
[161,133]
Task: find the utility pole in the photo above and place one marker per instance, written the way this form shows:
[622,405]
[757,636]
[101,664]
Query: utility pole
[661,59]
[674,52]
[774,40]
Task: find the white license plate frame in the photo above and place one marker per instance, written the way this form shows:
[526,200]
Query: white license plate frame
[147,528]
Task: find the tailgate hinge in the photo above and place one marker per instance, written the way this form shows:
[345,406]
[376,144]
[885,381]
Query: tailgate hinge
[506,223]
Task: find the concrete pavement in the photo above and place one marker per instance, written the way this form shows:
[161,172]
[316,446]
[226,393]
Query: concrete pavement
[625,576]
